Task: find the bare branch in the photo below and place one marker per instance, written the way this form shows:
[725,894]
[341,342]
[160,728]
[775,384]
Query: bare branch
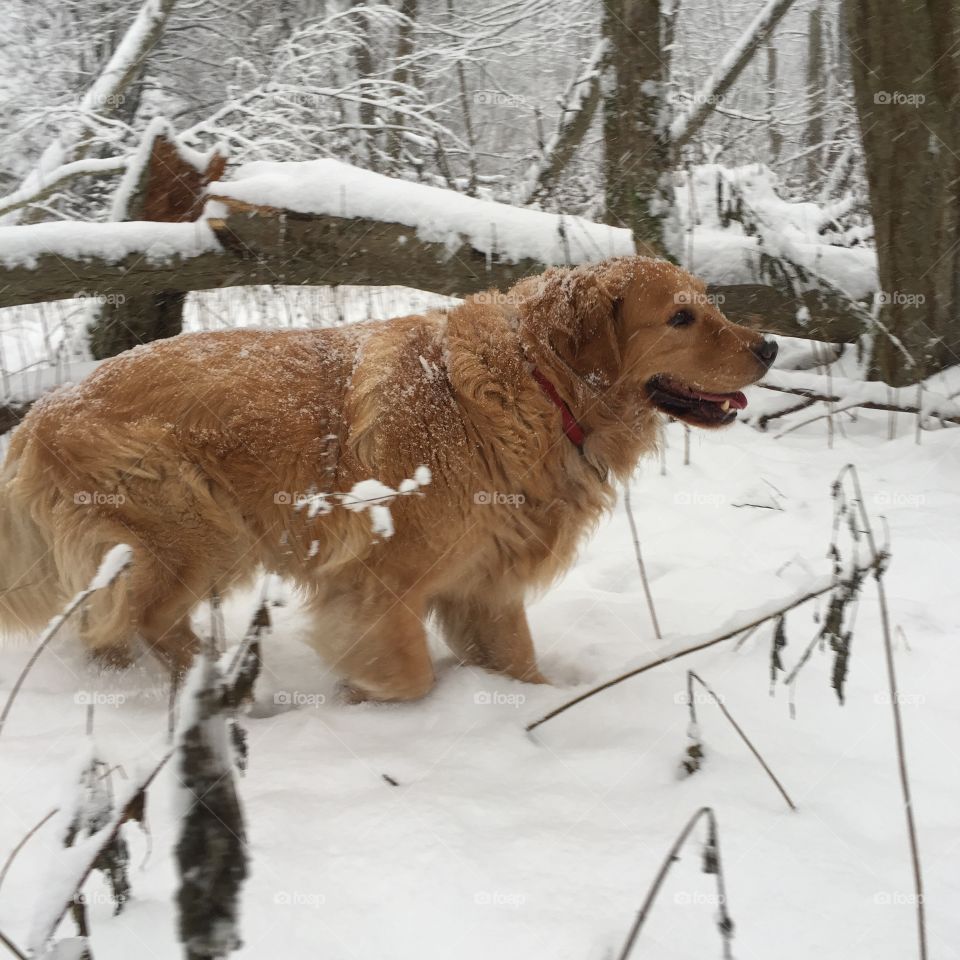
[689,121]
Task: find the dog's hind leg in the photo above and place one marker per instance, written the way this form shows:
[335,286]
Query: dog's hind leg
[491,633]
[151,603]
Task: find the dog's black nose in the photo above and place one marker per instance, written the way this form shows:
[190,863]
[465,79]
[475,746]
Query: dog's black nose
[766,351]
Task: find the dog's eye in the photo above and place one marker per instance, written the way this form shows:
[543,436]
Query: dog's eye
[682,318]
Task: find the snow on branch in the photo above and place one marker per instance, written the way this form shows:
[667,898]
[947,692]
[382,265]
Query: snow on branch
[731,65]
[498,230]
[578,105]
[872,394]
[367,495]
[102,97]
[53,179]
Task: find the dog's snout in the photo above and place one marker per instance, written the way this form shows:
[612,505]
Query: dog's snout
[765,351]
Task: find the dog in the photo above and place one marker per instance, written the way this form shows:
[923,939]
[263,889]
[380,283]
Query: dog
[526,408]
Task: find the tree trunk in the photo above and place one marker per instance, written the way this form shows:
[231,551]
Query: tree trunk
[636,148]
[815,95]
[906,71]
[169,190]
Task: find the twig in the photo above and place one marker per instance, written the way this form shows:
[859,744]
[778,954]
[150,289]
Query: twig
[45,926]
[691,676]
[712,864]
[695,648]
[8,863]
[12,947]
[820,416]
[51,631]
[814,395]
[640,564]
[851,470]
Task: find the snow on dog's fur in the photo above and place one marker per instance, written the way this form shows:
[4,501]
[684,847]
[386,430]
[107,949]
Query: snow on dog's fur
[198,452]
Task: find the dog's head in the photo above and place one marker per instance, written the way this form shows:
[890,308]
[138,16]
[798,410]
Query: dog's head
[638,327]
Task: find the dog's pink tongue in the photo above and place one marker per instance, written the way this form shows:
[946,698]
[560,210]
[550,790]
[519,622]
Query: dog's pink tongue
[736,400]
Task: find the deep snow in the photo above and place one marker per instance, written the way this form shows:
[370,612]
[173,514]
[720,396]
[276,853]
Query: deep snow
[495,841]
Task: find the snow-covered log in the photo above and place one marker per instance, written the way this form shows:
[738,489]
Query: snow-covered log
[325,222]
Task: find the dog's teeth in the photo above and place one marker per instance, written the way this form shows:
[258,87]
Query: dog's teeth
[725,406]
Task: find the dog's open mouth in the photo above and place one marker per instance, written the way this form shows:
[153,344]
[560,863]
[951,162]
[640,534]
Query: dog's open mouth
[697,407]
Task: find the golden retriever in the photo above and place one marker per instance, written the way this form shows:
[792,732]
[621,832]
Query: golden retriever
[197,451]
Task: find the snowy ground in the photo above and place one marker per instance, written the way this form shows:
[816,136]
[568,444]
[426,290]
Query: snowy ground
[495,842]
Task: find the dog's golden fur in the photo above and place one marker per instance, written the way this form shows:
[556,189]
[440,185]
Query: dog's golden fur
[191,450]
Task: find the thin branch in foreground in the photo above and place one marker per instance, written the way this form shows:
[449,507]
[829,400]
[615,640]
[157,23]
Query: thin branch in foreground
[114,563]
[695,648]
[640,564]
[71,872]
[711,864]
[878,555]
[9,944]
[691,677]
[24,840]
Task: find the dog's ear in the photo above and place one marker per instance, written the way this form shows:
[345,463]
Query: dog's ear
[576,314]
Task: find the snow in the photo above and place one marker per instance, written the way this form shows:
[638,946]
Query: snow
[111,566]
[22,246]
[102,94]
[874,391]
[727,66]
[437,215]
[498,842]
[790,229]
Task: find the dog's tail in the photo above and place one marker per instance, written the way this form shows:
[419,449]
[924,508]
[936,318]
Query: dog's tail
[30,590]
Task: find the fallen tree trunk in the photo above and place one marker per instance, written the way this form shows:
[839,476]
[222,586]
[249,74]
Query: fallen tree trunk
[261,245]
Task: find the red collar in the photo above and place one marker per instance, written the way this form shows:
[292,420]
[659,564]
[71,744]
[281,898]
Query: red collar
[571,428]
